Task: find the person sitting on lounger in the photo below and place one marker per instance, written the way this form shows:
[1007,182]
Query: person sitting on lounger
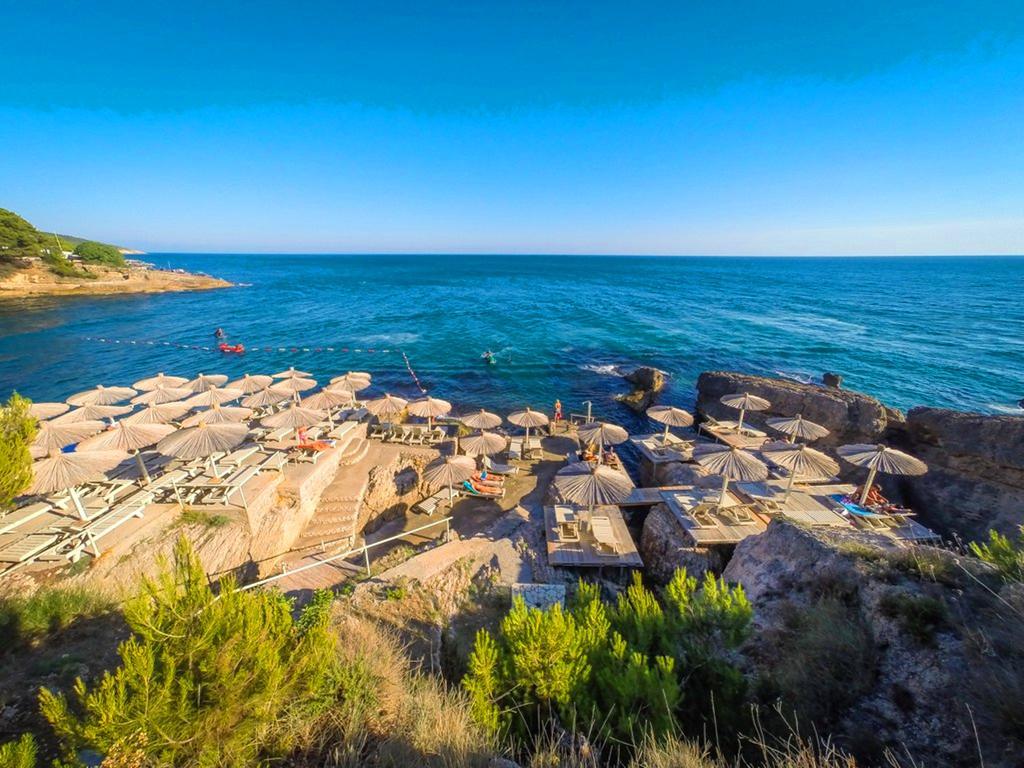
[589,453]
[488,481]
[480,489]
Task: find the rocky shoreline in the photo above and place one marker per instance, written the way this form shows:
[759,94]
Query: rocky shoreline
[39,281]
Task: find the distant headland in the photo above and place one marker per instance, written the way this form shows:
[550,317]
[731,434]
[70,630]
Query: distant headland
[35,263]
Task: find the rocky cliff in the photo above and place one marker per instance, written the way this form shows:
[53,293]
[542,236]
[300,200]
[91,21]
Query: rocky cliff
[887,650]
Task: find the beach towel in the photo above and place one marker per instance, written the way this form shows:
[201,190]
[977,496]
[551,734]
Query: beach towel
[852,508]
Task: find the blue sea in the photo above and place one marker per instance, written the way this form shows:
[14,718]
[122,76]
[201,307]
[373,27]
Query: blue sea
[911,331]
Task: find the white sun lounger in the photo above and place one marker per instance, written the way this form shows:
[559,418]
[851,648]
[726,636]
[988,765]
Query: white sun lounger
[15,548]
[500,469]
[23,515]
[429,505]
[601,527]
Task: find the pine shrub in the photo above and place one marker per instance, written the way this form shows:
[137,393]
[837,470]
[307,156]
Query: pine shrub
[17,430]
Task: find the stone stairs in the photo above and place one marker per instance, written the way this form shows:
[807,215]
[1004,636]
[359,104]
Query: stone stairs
[334,524]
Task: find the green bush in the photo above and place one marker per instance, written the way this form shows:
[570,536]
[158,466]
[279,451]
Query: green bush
[92,252]
[204,679]
[23,619]
[19,754]
[60,265]
[18,238]
[17,430]
[619,670]
[1005,555]
[919,616]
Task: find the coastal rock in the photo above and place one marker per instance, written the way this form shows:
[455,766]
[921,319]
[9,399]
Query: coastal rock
[665,547]
[833,380]
[851,417]
[918,693]
[975,478]
[647,382]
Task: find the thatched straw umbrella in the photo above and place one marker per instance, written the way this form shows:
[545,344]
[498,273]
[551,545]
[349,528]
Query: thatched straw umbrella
[481,420]
[213,396]
[744,401]
[592,484]
[731,464]
[101,395]
[129,438]
[601,433]
[880,458]
[43,411]
[92,413]
[797,427]
[67,471]
[429,408]
[354,381]
[160,380]
[265,397]
[484,444]
[53,436]
[327,400]
[293,417]
[162,394]
[450,471]
[800,459]
[250,384]
[292,373]
[218,414]
[528,418]
[203,441]
[670,416]
[293,385]
[387,407]
[203,382]
[157,413]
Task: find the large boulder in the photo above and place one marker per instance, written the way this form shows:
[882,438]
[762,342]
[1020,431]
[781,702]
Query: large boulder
[975,478]
[647,383]
[665,547]
[851,417]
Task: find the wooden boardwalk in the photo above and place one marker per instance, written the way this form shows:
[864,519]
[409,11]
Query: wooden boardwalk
[721,528]
[585,553]
[800,506]
[725,432]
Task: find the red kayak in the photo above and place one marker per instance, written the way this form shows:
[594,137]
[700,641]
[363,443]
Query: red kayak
[236,349]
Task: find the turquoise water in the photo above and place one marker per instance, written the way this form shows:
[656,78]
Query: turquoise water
[929,331]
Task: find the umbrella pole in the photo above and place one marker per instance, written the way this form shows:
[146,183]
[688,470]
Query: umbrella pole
[664,438]
[739,424]
[789,485]
[791,439]
[213,468]
[142,468]
[725,487]
[77,502]
[867,486]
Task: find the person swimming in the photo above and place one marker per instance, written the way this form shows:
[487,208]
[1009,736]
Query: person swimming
[488,357]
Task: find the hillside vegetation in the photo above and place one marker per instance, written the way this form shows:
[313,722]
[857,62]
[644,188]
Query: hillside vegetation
[20,240]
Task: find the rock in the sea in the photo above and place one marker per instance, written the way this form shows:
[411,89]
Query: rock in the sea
[975,478]
[647,382]
[833,380]
[665,548]
[851,417]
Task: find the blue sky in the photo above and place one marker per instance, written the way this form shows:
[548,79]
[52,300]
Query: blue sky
[669,128]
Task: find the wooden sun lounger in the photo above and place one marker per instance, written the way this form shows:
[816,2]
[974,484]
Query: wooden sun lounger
[23,515]
[515,449]
[15,548]
[429,505]
[471,492]
[500,469]
[601,527]
[115,518]
[274,461]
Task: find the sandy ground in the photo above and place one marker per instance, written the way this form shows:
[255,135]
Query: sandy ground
[39,281]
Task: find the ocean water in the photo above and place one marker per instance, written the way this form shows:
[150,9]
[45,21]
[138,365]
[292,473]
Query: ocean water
[911,331]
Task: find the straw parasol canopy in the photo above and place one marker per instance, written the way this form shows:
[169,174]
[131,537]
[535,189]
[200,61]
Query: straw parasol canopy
[326,399]
[484,444]
[355,381]
[730,463]
[292,373]
[263,398]
[449,471]
[481,420]
[203,382]
[160,380]
[880,458]
[43,411]
[92,413]
[797,426]
[66,471]
[157,413]
[294,416]
[744,401]
[387,407]
[52,436]
[293,385]
[250,384]
[218,414]
[129,438]
[800,459]
[213,396]
[162,394]
[202,441]
[670,416]
[601,433]
[101,395]
[528,418]
[592,484]
[429,408]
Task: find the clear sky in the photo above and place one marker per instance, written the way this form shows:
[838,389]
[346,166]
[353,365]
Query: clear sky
[676,127]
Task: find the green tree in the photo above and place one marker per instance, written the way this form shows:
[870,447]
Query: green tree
[204,680]
[18,238]
[92,252]
[1007,556]
[19,754]
[17,430]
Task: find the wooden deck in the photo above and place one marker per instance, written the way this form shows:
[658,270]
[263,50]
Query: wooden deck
[646,497]
[903,529]
[800,506]
[654,450]
[722,529]
[725,432]
[584,553]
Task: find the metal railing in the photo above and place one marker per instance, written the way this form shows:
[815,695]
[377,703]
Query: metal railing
[365,549]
